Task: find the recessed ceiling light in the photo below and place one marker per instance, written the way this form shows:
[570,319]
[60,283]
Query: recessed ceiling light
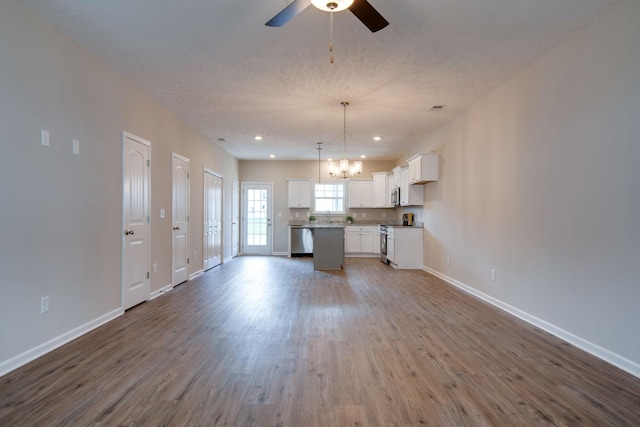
[362,156]
[258,138]
[377,138]
[273,156]
[329,160]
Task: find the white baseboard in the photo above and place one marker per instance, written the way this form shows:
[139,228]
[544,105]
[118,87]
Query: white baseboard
[156,294]
[280,253]
[601,353]
[196,274]
[42,349]
[227,260]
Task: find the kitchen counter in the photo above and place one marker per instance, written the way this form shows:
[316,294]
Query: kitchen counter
[317,226]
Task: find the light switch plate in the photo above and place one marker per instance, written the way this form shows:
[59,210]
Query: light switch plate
[161,213]
[76,146]
[44,138]
[44,305]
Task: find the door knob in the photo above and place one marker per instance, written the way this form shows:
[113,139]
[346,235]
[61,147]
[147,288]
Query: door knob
[129,233]
[176,228]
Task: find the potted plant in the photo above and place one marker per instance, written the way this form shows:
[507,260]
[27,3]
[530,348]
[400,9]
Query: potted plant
[349,219]
[312,219]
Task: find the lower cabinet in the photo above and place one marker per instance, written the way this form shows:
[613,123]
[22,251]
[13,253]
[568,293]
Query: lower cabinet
[360,239]
[404,247]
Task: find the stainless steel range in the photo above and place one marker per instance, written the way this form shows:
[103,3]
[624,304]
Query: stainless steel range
[383,243]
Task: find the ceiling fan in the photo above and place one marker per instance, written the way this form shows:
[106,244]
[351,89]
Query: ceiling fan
[360,8]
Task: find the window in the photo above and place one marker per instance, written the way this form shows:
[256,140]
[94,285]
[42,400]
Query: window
[329,197]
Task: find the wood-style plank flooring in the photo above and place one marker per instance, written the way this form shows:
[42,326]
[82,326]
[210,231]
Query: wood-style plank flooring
[268,341]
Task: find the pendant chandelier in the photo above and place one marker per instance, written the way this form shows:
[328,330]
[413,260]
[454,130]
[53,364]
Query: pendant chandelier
[343,169]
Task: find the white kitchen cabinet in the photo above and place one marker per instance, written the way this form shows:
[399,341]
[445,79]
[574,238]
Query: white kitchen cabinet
[360,239]
[361,193]
[404,247]
[410,195]
[381,192]
[391,248]
[423,168]
[396,177]
[299,193]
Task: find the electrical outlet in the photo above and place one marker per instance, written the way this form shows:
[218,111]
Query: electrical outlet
[76,146]
[364,214]
[384,214]
[297,214]
[493,274]
[155,267]
[448,260]
[44,305]
[195,255]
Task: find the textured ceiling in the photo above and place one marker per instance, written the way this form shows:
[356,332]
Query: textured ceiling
[217,65]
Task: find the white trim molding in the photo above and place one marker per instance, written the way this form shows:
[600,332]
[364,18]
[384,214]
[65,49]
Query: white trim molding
[196,274]
[161,291]
[601,353]
[42,349]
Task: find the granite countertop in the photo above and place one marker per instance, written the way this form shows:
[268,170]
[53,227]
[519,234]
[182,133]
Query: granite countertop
[307,225]
[396,224]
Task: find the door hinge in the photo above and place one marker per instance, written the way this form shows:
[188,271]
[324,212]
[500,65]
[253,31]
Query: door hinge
[148,162]
[148,219]
[188,175]
[187,260]
[147,274]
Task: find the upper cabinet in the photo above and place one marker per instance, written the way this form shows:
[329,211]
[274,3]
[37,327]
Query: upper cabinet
[423,168]
[361,193]
[381,193]
[299,193]
[410,195]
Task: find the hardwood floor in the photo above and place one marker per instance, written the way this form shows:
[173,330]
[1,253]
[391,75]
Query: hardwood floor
[268,341]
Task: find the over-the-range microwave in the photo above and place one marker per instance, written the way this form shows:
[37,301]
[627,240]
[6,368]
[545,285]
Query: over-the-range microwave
[395,196]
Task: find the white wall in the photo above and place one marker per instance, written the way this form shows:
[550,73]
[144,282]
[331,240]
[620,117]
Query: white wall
[540,182]
[61,214]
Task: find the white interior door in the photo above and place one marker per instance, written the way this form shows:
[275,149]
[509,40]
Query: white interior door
[235,219]
[212,219]
[135,264]
[180,241]
[257,214]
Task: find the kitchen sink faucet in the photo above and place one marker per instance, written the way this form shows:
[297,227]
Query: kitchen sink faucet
[328,217]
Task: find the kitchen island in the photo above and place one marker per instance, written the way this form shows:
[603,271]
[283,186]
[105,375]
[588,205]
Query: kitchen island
[328,245]
[328,248]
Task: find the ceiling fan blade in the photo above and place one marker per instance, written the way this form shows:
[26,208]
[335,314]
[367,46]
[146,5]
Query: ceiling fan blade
[368,15]
[288,12]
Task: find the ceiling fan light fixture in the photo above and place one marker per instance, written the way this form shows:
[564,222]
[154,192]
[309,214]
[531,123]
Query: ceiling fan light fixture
[332,5]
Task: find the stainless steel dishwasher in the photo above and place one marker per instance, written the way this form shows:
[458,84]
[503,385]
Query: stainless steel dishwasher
[301,241]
